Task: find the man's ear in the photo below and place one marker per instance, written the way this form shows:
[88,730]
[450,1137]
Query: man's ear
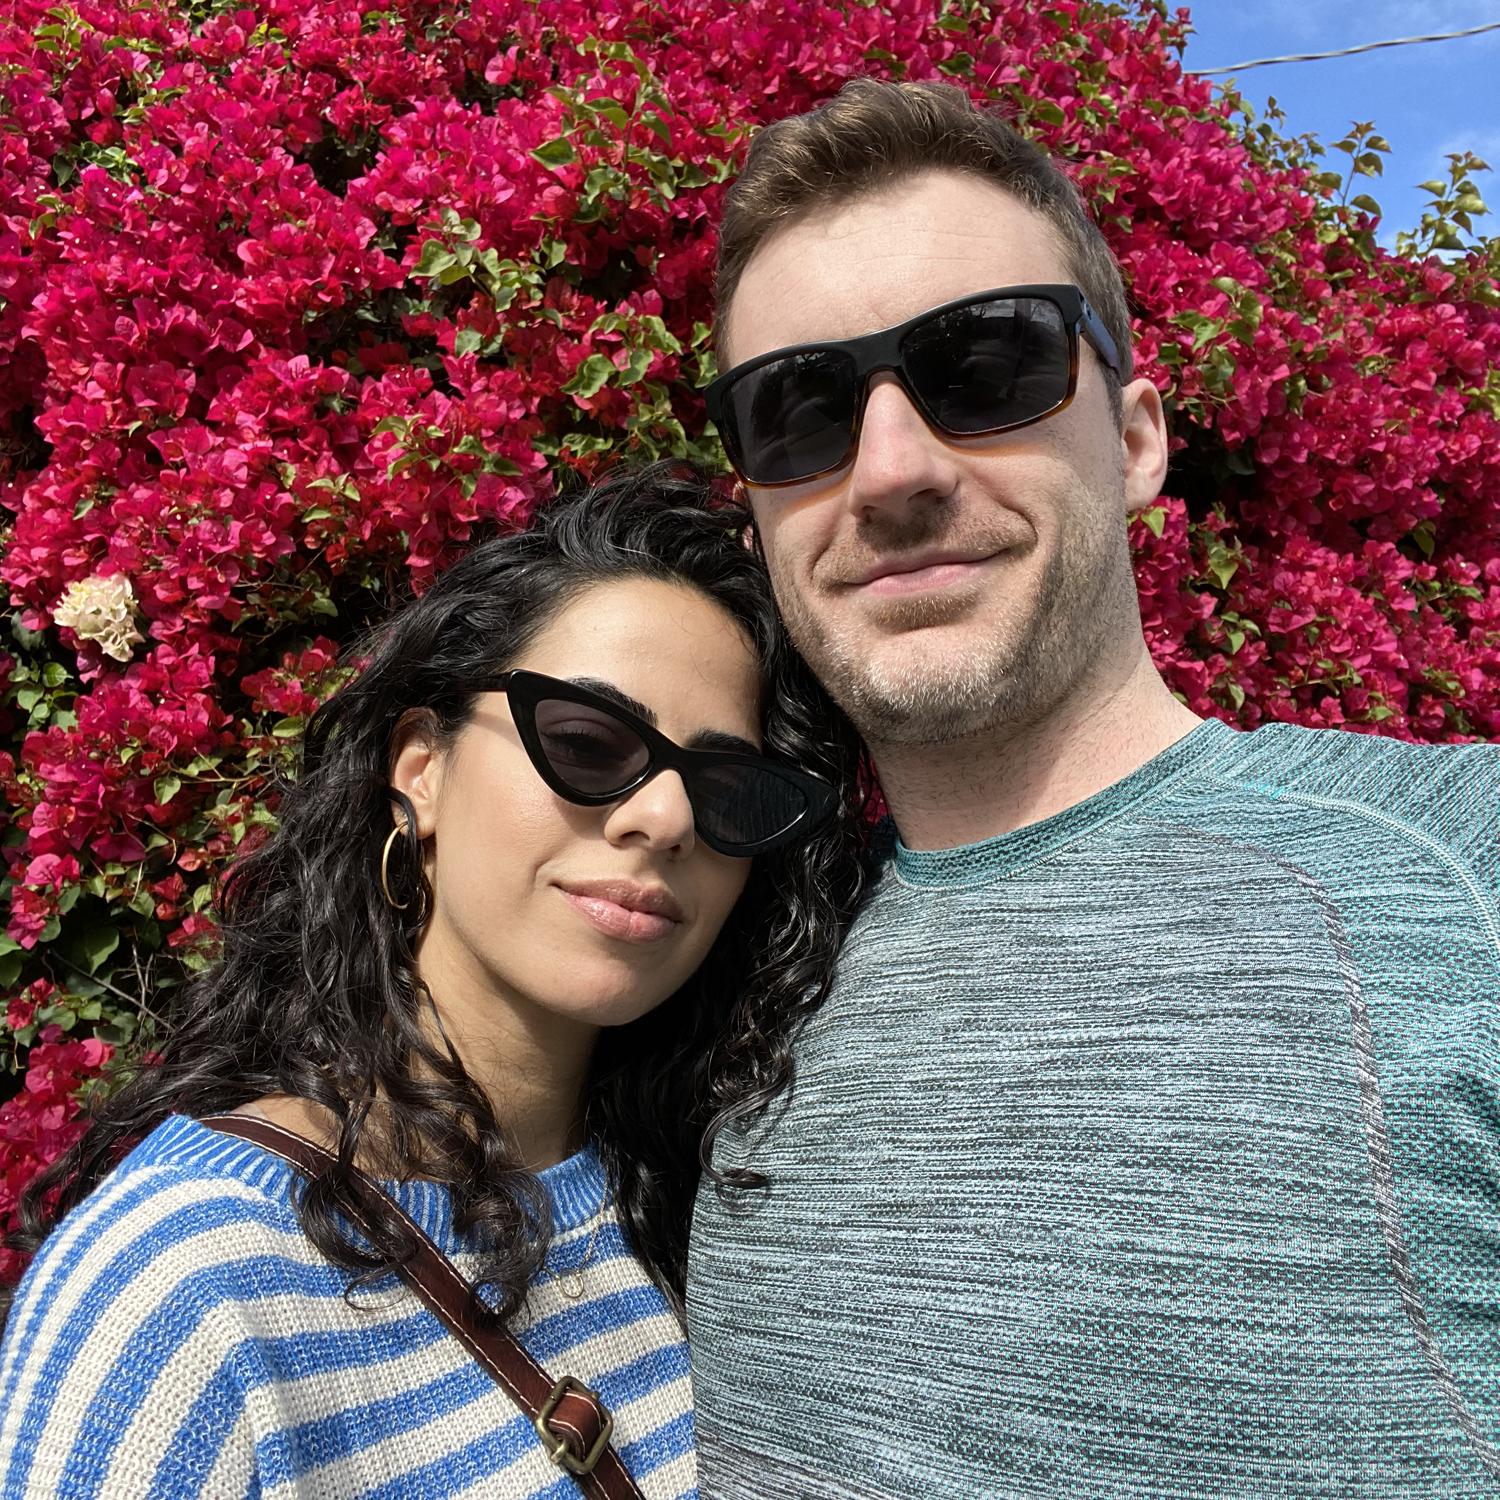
[1143,444]
[417,766]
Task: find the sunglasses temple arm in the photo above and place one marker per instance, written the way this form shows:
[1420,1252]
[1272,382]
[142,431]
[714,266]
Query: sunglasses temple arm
[1103,340]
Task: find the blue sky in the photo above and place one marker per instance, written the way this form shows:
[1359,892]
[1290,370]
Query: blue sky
[1426,100]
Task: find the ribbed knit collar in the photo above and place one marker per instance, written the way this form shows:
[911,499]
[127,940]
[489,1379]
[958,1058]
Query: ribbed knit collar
[975,864]
[575,1187]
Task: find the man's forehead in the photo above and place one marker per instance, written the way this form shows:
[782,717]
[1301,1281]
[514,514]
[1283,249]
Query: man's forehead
[883,257]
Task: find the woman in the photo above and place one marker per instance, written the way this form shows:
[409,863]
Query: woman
[541,912]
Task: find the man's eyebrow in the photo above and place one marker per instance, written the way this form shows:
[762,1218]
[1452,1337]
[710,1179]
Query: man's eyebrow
[705,739]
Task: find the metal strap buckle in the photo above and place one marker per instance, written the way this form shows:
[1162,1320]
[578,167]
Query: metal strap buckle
[557,1446]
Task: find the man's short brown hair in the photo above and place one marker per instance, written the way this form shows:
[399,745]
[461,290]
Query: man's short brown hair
[871,135]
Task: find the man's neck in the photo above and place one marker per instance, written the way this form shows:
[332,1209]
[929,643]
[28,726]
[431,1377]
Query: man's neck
[942,796]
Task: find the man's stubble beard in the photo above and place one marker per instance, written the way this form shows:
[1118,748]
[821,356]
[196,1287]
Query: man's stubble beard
[1011,679]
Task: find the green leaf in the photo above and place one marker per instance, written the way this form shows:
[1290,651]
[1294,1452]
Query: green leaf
[636,366]
[591,376]
[287,729]
[556,153]
[467,341]
[164,788]
[1222,563]
[120,1030]
[10,969]
[88,946]
[436,258]
[1155,519]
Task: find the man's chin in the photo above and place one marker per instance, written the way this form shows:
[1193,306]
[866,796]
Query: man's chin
[912,691]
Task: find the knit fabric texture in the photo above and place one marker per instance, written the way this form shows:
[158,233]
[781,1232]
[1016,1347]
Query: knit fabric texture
[178,1335]
[1150,1151]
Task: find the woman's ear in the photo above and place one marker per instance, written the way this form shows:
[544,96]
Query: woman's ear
[417,766]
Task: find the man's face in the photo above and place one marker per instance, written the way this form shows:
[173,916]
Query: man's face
[941,586]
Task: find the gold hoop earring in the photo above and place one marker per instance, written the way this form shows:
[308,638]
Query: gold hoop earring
[385,869]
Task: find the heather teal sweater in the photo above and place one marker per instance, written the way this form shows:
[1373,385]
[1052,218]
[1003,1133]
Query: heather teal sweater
[1149,1151]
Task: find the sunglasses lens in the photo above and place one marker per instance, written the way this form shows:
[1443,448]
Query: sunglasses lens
[793,418]
[990,365]
[737,805]
[588,749]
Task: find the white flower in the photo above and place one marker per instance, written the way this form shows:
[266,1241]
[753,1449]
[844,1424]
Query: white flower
[101,609]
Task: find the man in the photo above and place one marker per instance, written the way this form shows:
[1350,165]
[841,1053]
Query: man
[1148,1144]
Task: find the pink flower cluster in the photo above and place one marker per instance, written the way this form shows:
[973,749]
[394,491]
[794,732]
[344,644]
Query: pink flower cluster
[42,1120]
[294,297]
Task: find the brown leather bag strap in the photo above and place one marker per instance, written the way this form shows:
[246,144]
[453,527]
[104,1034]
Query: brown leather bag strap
[574,1425]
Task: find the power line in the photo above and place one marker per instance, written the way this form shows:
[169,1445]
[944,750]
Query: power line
[1401,41]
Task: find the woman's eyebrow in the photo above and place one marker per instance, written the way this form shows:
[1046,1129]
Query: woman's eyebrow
[717,739]
[615,696]
[705,739]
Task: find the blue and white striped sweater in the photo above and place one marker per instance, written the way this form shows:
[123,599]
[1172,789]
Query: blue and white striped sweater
[178,1335]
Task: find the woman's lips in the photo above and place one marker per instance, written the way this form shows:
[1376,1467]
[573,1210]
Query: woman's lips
[617,921]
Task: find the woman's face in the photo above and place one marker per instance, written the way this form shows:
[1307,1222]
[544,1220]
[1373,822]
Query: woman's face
[538,902]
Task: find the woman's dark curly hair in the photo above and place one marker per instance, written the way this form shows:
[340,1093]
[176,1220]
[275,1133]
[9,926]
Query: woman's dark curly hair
[315,993]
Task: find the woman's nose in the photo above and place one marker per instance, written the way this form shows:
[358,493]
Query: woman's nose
[657,814]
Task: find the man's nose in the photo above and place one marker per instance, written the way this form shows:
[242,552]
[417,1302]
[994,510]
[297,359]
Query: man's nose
[900,463]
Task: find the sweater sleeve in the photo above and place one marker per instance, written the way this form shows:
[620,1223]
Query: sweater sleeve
[1465,806]
[121,1371]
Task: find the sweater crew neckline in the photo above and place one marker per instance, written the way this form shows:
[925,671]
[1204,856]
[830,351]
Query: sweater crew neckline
[575,1188]
[989,859]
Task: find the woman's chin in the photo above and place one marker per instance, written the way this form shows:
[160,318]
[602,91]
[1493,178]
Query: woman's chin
[602,1004]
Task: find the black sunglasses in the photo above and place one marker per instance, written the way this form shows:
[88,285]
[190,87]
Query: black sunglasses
[591,751]
[984,364]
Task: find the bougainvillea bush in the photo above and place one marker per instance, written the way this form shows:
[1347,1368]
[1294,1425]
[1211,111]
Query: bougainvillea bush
[294,297]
